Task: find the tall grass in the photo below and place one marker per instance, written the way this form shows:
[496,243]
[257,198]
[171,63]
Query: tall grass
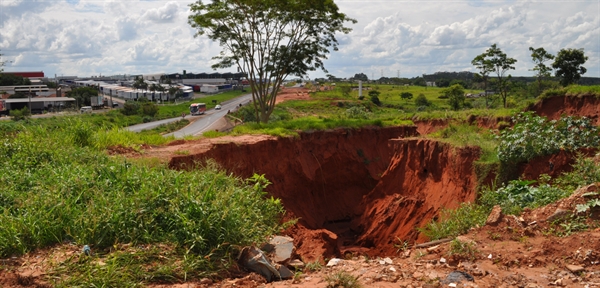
[58,190]
[291,127]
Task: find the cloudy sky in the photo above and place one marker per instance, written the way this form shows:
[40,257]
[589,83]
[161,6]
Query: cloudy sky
[391,38]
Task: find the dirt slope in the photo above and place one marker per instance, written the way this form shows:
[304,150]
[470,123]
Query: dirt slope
[423,177]
[555,107]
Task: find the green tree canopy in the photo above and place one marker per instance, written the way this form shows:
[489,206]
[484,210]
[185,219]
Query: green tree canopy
[13,80]
[539,56]
[361,77]
[406,95]
[82,95]
[455,95]
[270,39]
[497,62]
[568,65]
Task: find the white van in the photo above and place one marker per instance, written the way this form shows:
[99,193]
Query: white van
[86,109]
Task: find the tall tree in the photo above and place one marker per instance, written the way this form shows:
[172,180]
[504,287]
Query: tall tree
[455,95]
[501,64]
[542,71]
[568,65]
[270,40]
[485,67]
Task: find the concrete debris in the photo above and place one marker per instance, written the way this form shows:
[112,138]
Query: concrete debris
[574,268]
[283,249]
[334,261]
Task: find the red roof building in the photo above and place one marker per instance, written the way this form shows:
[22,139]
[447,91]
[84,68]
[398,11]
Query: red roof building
[31,74]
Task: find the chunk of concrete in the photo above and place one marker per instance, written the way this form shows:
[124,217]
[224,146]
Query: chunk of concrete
[283,248]
[575,268]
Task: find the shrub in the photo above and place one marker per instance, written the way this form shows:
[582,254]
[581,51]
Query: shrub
[421,100]
[357,112]
[519,194]
[19,115]
[130,108]
[530,137]
[455,222]
[406,95]
[149,109]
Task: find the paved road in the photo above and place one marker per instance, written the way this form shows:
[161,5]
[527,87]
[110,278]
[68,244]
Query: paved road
[201,123]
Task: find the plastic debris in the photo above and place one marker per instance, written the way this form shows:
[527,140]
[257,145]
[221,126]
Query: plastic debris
[86,250]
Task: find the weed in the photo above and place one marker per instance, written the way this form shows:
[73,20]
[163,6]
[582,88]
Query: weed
[401,246]
[297,277]
[568,226]
[455,222]
[314,266]
[494,236]
[342,279]
[463,250]
[419,254]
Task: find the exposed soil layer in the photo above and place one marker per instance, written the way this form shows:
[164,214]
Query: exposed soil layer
[553,165]
[321,177]
[363,187]
[423,177]
[555,107]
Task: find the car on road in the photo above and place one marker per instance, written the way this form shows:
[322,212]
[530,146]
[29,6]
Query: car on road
[218,107]
[86,109]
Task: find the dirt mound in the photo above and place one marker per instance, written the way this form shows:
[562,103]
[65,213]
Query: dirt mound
[555,107]
[292,93]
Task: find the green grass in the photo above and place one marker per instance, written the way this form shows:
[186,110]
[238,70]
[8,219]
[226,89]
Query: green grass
[572,90]
[66,190]
[455,222]
[291,127]
[462,135]
[175,110]
[342,279]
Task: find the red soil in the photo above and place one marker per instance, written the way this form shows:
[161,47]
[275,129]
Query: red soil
[555,107]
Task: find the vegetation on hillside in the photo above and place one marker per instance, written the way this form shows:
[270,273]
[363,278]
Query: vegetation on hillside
[65,189]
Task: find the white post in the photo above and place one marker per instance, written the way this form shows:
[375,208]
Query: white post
[359,88]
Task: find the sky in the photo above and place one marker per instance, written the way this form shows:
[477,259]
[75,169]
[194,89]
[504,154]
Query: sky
[391,38]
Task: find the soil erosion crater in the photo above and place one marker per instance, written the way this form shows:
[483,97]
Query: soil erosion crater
[352,189]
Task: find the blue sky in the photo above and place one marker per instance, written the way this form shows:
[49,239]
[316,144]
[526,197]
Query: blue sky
[391,38]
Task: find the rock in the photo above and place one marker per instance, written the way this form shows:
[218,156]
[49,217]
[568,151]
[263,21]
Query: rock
[297,264]
[387,260]
[457,277]
[284,272]
[255,260]
[574,268]
[495,216]
[442,260]
[283,248]
[418,275]
[431,249]
[558,214]
[334,261]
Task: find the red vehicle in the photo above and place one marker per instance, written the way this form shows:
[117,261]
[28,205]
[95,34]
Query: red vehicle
[197,108]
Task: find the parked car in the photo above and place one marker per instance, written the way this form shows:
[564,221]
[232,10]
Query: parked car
[218,107]
[86,109]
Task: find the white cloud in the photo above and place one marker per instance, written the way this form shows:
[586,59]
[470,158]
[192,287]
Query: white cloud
[87,37]
[164,14]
